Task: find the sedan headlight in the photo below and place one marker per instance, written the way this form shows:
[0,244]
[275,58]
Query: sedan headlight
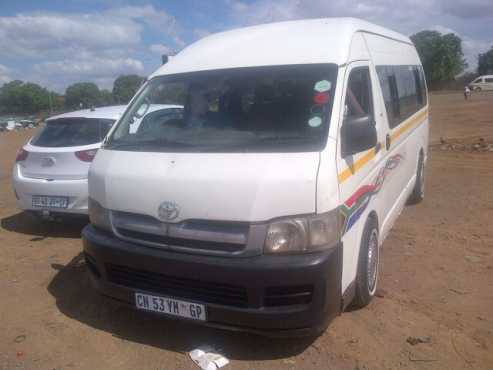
[303,234]
[98,215]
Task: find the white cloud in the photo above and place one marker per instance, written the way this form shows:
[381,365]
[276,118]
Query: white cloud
[160,49]
[48,34]
[406,16]
[200,33]
[471,9]
[95,46]
[97,67]
[42,35]
[58,74]
[156,19]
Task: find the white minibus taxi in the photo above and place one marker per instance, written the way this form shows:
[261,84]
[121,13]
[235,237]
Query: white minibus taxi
[262,208]
[482,83]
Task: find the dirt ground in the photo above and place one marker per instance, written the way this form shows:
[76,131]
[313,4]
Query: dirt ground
[436,282]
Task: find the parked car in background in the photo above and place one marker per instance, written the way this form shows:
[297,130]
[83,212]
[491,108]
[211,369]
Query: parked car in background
[482,83]
[50,173]
[263,208]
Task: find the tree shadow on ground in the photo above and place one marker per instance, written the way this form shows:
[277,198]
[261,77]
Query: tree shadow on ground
[76,298]
[23,223]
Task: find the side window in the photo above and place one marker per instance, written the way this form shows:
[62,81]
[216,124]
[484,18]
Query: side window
[419,89]
[104,127]
[388,84]
[358,131]
[488,80]
[406,86]
[358,95]
[422,85]
[404,91]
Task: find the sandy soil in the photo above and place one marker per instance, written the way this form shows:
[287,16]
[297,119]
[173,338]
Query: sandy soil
[436,283]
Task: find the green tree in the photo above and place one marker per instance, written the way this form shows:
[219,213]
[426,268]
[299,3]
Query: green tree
[125,87]
[441,55]
[485,62]
[23,97]
[106,98]
[82,95]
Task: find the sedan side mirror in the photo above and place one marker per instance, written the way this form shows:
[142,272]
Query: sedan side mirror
[358,134]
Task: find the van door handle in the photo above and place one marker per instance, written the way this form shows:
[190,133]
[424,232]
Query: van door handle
[387,142]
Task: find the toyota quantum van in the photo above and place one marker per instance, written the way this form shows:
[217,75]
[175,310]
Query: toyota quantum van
[264,206]
[482,83]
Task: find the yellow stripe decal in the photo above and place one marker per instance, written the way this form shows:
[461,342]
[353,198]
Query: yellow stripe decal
[418,118]
[370,154]
[351,170]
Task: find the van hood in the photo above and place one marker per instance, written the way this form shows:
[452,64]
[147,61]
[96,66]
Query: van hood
[208,186]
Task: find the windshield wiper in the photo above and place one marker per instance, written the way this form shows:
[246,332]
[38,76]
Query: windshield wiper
[284,138]
[256,143]
[156,143]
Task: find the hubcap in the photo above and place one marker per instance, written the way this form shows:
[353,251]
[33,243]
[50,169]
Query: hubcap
[372,267]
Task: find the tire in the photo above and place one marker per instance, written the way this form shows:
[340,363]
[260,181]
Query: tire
[418,193]
[368,261]
[477,89]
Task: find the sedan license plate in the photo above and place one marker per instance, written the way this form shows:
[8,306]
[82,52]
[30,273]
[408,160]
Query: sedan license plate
[42,201]
[170,306]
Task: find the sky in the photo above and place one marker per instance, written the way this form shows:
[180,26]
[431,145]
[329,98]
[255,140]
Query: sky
[59,42]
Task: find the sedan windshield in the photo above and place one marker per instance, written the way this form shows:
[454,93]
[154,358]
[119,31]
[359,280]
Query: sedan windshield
[275,108]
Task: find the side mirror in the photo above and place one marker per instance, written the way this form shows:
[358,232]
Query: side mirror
[358,134]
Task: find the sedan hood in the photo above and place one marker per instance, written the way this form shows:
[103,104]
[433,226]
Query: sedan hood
[208,186]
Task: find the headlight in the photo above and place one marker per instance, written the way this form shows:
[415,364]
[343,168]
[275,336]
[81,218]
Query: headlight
[99,216]
[303,234]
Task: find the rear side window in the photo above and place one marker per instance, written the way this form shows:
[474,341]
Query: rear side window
[488,80]
[404,91]
[390,94]
[66,132]
[422,84]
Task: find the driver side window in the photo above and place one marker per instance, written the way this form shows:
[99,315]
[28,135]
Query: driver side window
[358,131]
[358,95]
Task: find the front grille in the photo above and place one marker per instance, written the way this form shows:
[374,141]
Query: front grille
[288,295]
[178,287]
[200,235]
[181,242]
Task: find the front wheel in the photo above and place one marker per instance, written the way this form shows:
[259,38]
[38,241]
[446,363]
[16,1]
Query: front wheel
[368,261]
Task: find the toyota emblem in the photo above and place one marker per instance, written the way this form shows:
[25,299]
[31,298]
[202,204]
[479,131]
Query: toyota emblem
[168,211]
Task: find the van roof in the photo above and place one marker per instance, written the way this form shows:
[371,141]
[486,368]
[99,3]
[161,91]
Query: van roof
[111,112]
[294,42]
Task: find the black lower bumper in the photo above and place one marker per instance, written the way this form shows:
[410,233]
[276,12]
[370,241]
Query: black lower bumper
[269,295]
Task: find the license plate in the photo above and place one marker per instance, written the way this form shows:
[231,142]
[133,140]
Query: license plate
[170,306]
[42,201]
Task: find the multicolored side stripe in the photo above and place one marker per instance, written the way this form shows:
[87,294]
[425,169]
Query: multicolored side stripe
[356,204]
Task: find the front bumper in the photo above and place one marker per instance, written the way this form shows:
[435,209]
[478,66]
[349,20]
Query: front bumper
[75,190]
[270,283]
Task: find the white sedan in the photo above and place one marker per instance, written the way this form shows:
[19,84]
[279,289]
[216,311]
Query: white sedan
[50,173]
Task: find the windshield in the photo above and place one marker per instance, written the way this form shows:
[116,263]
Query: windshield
[274,108]
[64,132]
